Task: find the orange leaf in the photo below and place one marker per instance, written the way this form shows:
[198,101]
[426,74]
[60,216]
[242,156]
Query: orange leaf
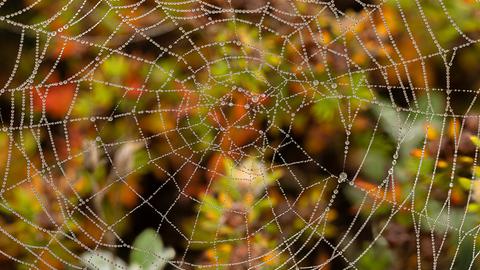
[377,192]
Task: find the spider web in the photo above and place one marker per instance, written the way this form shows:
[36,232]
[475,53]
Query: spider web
[243,82]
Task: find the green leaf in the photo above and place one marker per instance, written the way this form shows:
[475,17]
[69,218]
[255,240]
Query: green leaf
[103,260]
[377,257]
[325,109]
[149,252]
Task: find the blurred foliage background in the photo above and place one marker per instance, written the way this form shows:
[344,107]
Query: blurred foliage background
[239,134]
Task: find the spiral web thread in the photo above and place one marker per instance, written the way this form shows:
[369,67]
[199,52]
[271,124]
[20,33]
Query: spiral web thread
[290,23]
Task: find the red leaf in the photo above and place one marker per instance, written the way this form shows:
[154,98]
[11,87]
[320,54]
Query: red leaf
[56,100]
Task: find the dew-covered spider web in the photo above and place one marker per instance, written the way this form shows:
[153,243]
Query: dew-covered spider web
[239,134]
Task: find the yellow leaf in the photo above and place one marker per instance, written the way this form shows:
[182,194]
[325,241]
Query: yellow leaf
[442,164]
[465,182]
[473,207]
[465,159]
[432,133]
[475,140]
